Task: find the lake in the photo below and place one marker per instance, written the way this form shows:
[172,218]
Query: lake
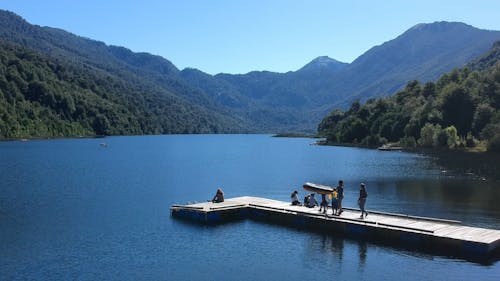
[73,209]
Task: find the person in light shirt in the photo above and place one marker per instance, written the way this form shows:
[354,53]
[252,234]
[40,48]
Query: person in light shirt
[295,198]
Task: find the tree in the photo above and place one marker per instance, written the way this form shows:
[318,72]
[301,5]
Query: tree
[328,124]
[352,129]
[451,136]
[494,143]
[429,89]
[440,138]
[482,116]
[355,106]
[427,134]
[412,128]
[458,108]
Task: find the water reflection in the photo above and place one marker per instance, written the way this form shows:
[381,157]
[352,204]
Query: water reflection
[343,249]
[474,202]
[362,249]
[336,246]
[473,165]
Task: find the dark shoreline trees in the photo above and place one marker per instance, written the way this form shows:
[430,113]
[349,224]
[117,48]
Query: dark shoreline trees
[458,110]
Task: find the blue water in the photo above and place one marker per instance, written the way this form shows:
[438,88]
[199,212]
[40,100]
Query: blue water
[75,210]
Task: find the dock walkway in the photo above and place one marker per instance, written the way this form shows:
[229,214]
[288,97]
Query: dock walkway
[430,231]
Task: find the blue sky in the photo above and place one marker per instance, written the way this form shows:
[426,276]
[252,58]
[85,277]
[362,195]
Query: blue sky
[234,36]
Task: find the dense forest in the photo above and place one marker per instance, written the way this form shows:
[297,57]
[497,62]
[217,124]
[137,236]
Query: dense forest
[45,97]
[461,109]
[57,84]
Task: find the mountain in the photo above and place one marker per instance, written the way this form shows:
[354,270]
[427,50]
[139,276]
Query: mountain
[78,86]
[297,100]
[424,52]
[259,101]
[323,63]
[462,107]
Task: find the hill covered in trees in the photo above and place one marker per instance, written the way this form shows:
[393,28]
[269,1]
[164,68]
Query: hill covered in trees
[55,84]
[117,91]
[298,100]
[43,97]
[461,108]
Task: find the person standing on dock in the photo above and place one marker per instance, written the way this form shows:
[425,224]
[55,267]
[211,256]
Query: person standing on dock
[363,194]
[335,202]
[324,204]
[340,190]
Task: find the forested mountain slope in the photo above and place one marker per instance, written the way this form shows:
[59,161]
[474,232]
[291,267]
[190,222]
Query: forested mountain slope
[259,101]
[460,109]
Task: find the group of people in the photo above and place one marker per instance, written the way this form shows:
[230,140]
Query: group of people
[336,198]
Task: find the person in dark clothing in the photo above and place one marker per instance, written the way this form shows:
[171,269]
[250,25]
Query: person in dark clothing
[363,194]
[219,196]
[340,190]
[311,203]
[335,202]
[306,199]
[324,204]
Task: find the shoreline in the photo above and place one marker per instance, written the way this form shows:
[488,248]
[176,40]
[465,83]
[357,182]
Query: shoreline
[52,138]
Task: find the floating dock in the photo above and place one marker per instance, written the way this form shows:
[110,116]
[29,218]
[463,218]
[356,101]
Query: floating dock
[397,228]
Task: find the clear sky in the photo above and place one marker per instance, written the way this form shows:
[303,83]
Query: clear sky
[237,36]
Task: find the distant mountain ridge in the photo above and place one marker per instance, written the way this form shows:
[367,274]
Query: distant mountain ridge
[263,101]
[423,53]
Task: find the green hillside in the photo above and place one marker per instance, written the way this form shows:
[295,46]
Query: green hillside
[159,98]
[45,97]
[460,109]
[57,84]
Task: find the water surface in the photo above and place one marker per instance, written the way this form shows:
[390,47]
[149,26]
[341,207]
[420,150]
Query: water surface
[72,209]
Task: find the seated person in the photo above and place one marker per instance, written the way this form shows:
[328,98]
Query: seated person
[306,199]
[311,203]
[295,198]
[219,196]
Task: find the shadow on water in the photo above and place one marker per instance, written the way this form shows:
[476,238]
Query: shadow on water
[194,223]
[334,243]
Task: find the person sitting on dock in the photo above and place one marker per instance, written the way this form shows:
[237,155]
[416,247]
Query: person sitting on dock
[335,202]
[295,198]
[306,199]
[219,196]
[363,194]
[311,203]
[340,190]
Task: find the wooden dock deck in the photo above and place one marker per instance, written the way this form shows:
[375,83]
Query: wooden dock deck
[431,232]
